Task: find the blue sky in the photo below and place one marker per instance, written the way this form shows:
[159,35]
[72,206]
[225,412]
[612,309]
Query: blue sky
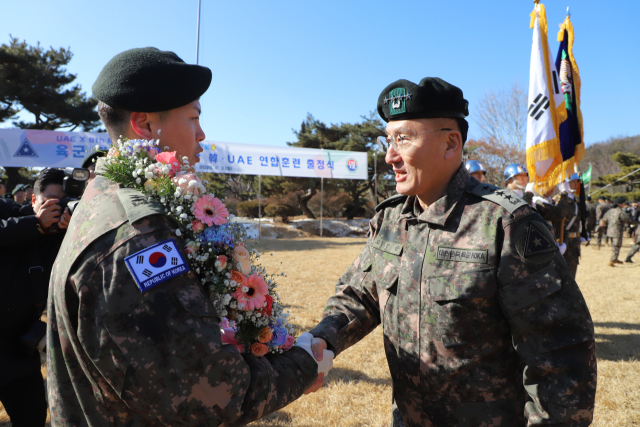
[274,62]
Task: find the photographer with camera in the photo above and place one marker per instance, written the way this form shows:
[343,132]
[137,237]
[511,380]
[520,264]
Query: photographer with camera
[30,237]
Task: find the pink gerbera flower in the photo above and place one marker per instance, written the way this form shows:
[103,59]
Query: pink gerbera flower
[252,293]
[210,210]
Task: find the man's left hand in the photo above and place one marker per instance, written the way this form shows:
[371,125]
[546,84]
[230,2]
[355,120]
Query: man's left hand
[64,219]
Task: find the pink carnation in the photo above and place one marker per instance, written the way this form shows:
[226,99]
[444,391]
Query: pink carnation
[197,226]
[228,336]
[169,158]
[186,179]
[288,343]
[210,210]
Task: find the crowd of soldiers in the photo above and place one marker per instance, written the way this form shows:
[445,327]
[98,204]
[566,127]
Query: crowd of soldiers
[572,222]
[21,193]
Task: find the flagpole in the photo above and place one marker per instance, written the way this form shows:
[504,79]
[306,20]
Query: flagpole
[198,34]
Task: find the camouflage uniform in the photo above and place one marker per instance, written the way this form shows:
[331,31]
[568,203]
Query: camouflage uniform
[120,357]
[616,219]
[568,208]
[470,292]
[591,218]
[636,247]
[601,210]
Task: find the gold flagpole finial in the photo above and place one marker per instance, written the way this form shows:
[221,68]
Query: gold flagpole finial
[536,1]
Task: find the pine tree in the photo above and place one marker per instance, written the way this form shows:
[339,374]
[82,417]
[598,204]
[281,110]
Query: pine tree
[35,80]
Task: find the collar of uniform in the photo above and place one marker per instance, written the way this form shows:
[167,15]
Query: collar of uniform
[438,212]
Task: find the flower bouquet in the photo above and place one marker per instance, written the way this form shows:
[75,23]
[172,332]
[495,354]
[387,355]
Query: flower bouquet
[241,290]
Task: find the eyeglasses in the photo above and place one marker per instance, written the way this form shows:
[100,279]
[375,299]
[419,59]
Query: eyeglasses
[398,142]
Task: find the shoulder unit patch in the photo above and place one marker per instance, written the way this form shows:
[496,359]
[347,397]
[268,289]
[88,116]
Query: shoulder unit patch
[534,242]
[156,264]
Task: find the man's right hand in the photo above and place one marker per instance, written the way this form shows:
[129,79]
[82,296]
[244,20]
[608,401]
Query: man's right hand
[49,213]
[318,345]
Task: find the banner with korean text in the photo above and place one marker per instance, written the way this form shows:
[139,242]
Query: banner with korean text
[44,148]
[249,159]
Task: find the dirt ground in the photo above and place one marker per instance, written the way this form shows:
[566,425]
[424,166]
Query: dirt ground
[357,391]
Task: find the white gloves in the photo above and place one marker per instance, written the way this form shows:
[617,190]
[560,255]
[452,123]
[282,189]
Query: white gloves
[562,247]
[304,342]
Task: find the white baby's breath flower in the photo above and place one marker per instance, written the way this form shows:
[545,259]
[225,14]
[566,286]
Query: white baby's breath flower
[240,316]
[192,183]
[187,196]
[245,289]
[240,306]
[182,181]
[135,174]
[178,232]
[138,181]
[179,209]
[177,195]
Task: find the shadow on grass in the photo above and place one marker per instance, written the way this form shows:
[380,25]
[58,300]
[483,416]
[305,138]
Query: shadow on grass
[616,348]
[349,375]
[618,325]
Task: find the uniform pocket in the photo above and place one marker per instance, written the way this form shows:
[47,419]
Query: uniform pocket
[531,289]
[464,308]
[476,283]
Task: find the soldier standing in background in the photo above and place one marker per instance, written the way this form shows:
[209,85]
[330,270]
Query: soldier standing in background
[19,196]
[568,206]
[601,210]
[467,282]
[3,187]
[591,219]
[615,220]
[476,169]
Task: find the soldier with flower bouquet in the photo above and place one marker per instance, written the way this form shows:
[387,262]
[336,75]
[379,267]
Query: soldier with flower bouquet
[158,311]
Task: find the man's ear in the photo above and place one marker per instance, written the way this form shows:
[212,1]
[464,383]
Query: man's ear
[454,144]
[33,200]
[141,124]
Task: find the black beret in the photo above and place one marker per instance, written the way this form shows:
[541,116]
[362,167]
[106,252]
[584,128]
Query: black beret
[602,198]
[620,200]
[2,181]
[432,98]
[148,80]
[25,186]
[90,158]
[17,188]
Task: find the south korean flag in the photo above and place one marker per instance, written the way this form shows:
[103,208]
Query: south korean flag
[155,264]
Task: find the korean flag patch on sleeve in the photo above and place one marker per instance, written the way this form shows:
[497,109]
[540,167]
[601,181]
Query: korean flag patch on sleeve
[155,264]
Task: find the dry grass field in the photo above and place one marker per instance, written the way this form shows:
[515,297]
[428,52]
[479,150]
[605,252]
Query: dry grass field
[357,391]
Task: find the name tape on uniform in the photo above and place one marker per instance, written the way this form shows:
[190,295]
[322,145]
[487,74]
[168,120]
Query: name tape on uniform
[391,247]
[155,264]
[478,256]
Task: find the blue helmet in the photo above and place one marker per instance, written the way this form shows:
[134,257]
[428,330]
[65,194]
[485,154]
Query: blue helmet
[573,177]
[475,166]
[513,170]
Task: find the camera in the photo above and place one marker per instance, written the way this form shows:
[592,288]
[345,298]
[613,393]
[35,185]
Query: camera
[73,185]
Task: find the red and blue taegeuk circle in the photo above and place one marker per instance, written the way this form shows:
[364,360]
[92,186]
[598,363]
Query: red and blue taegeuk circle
[157,259]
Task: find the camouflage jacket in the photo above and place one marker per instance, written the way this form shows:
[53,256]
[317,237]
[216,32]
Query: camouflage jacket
[117,356]
[601,209]
[616,219]
[475,300]
[568,209]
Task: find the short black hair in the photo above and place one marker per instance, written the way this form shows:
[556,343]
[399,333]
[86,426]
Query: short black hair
[48,176]
[115,120]
[463,125]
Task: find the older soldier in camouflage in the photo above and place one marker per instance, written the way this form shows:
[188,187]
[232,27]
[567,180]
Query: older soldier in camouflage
[601,210]
[117,356]
[483,322]
[615,220]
